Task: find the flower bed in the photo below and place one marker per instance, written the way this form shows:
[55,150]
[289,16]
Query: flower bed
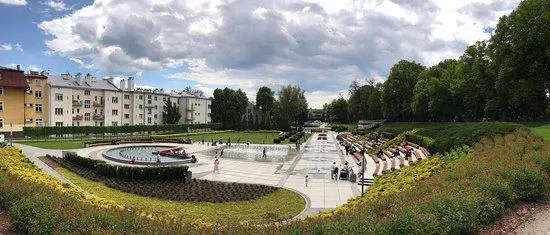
[172,189]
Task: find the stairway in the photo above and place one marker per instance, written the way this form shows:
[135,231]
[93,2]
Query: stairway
[366,181]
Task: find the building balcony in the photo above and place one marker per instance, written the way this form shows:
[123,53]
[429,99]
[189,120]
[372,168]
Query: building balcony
[77,117]
[189,118]
[77,102]
[99,104]
[99,117]
[149,105]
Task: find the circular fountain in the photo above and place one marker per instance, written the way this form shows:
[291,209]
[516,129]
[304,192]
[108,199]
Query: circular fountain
[255,153]
[145,155]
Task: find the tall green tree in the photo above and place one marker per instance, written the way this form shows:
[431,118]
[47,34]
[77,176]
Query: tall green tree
[397,91]
[170,113]
[292,107]
[228,107]
[520,51]
[265,100]
[338,111]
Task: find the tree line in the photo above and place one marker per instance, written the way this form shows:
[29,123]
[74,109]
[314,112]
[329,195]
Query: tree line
[505,78]
[289,109]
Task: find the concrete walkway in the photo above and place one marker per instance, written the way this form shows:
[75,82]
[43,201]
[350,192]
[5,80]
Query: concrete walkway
[314,160]
[33,153]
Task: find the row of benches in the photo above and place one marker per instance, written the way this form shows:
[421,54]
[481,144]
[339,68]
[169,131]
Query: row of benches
[388,162]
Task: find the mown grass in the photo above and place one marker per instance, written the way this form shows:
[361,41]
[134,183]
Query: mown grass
[56,144]
[243,136]
[541,129]
[282,204]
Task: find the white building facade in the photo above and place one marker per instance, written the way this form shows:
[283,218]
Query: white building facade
[88,101]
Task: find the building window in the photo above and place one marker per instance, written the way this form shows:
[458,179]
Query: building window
[140,106]
[126,97]
[141,97]
[126,106]
[127,116]
[148,96]
[156,116]
[1,90]
[38,82]
[86,92]
[115,112]
[149,120]
[1,106]
[155,98]
[38,122]
[58,97]
[1,123]
[87,116]
[38,94]
[87,104]
[149,111]
[114,123]
[140,116]
[148,101]
[38,108]
[58,111]
[115,100]
[58,123]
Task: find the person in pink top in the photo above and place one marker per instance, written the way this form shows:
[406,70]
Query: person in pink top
[217,166]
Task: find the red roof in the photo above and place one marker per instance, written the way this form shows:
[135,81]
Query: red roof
[35,76]
[12,78]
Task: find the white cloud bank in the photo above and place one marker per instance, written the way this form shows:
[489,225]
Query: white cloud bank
[321,46]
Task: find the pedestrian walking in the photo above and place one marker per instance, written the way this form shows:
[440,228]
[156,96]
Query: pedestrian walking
[216,166]
[332,170]
[307,179]
[264,153]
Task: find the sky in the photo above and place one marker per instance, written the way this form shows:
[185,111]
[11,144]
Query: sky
[321,46]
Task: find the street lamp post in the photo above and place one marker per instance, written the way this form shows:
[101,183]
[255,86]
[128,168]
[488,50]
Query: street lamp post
[363,163]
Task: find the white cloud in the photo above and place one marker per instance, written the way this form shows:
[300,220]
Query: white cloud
[18,47]
[320,46]
[57,5]
[316,99]
[14,2]
[9,47]
[33,67]
[5,47]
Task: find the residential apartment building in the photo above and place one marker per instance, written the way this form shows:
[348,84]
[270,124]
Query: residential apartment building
[36,99]
[40,99]
[12,99]
[84,101]
[89,101]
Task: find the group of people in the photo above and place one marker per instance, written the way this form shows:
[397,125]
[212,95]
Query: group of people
[336,173]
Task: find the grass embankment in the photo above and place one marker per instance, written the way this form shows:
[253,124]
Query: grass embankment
[266,208]
[443,136]
[541,129]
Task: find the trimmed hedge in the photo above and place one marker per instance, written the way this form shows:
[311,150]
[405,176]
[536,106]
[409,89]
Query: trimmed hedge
[128,172]
[182,135]
[44,131]
[339,128]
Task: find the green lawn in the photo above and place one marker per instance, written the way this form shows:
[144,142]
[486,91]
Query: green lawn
[282,204]
[244,136]
[541,129]
[55,144]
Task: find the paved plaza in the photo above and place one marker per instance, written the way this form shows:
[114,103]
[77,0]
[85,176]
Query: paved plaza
[314,159]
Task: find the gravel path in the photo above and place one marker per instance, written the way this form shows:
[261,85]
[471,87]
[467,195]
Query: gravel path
[539,224]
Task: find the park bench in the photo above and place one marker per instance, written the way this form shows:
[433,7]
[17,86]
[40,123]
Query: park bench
[425,151]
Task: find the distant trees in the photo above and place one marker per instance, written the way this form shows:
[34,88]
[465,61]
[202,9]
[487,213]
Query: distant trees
[265,101]
[228,107]
[170,114]
[505,78]
[337,111]
[292,107]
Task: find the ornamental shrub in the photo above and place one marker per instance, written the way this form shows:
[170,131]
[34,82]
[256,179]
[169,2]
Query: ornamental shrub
[128,172]
[527,183]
